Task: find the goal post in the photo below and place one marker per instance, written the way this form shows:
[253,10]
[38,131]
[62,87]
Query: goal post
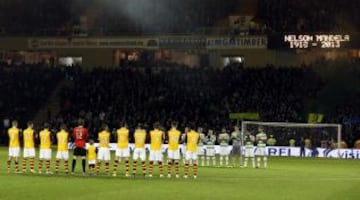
[246,124]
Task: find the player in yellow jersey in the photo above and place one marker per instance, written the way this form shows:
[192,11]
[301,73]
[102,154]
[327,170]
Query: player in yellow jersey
[156,141]
[92,151]
[192,139]
[104,149]
[139,150]
[173,154]
[122,150]
[29,147]
[62,151]
[45,148]
[14,146]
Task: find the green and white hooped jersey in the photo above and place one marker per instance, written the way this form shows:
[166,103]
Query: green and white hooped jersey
[211,140]
[248,143]
[236,138]
[202,139]
[211,146]
[261,139]
[224,139]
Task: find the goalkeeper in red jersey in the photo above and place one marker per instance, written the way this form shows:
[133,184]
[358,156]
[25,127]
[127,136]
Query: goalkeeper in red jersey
[79,135]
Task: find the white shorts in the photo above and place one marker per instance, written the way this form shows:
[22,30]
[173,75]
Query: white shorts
[156,155]
[224,151]
[103,154]
[249,152]
[14,151]
[62,155]
[45,154]
[91,162]
[200,151]
[139,153]
[29,153]
[122,152]
[173,154]
[210,150]
[261,151]
[191,155]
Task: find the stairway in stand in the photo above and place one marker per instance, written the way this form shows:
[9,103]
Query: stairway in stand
[52,106]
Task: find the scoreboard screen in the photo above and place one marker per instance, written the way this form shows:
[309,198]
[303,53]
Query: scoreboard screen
[324,41]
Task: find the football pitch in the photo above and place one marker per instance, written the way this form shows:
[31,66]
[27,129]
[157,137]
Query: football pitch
[285,178]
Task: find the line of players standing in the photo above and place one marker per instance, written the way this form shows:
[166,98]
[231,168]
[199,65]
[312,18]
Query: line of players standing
[206,147]
[193,140]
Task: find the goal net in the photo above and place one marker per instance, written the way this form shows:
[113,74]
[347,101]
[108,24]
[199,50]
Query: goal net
[319,139]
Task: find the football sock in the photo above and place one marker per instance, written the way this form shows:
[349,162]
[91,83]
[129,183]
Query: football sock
[107,167]
[24,164]
[177,167]
[161,168]
[83,162]
[116,164]
[57,163]
[73,165]
[169,165]
[66,165]
[151,167]
[47,165]
[186,170]
[195,169]
[16,165]
[8,165]
[134,167]
[127,166]
[32,163]
[143,164]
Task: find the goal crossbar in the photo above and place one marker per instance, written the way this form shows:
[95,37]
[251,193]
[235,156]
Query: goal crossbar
[291,124]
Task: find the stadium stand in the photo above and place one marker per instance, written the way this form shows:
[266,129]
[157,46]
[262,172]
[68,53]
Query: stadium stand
[25,89]
[205,96]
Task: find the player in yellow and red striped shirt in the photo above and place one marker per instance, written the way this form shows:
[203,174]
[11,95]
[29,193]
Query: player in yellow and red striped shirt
[14,146]
[62,152]
[122,151]
[192,139]
[139,150]
[45,148]
[156,141]
[29,147]
[104,149]
[173,154]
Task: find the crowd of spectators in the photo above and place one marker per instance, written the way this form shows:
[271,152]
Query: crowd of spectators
[203,96]
[25,89]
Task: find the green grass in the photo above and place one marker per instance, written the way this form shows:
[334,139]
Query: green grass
[285,178]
